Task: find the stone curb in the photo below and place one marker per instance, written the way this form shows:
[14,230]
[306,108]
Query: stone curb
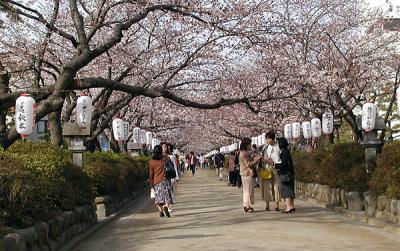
[74,242]
[356,215]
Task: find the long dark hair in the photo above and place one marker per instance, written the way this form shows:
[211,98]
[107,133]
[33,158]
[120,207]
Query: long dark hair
[283,143]
[157,152]
[245,143]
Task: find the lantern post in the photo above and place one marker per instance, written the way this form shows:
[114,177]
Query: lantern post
[369,128]
[75,135]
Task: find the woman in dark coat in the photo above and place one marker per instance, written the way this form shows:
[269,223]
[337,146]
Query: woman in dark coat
[286,175]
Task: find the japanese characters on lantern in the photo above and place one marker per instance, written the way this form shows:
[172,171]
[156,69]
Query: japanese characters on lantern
[316,128]
[126,130]
[143,137]
[296,130]
[136,135]
[306,129]
[327,123]
[368,116]
[24,115]
[118,129]
[83,111]
[287,131]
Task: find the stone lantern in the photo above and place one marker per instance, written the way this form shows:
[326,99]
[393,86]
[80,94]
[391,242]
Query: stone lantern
[370,124]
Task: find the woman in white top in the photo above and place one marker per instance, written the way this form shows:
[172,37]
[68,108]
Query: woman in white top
[271,157]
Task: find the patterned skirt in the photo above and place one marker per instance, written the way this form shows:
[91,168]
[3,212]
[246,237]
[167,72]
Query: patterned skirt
[163,192]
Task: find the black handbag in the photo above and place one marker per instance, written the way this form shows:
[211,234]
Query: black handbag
[169,169]
[285,178]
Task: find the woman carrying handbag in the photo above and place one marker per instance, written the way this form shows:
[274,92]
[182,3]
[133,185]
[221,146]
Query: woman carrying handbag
[286,175]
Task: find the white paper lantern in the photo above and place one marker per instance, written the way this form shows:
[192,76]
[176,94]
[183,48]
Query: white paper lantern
[126,130]
[83,111]
[306,130]
[287,132]
[259,140]
[263,139]
[398,100]
[118,129]
[143,137]
[368,116]
[24,114]
[296,130]
[327,123]
[154,142]
[149,138]
[136,135]
[316,127]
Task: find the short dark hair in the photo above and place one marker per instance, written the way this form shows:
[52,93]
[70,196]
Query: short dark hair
[283,143]
[170,148]
[270,135]
[245,142]
[157,152]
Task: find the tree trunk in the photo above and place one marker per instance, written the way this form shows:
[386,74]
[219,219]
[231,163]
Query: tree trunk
[4,84]
[55,128]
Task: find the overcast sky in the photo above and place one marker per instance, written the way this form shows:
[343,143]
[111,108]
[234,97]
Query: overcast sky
[382,2]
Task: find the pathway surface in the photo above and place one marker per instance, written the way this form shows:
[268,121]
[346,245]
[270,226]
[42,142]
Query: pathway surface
[209,216]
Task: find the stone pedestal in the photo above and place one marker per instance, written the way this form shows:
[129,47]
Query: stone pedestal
[76,136]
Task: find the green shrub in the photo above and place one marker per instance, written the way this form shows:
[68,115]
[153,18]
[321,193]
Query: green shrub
[114,174]
[340,166]
[45,179]
[38,180]
[386,177]
[17,193]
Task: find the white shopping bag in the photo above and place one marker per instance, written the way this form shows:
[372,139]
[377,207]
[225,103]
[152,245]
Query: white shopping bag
[152,193]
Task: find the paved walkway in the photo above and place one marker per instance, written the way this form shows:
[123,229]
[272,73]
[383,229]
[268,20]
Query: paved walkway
[209,216]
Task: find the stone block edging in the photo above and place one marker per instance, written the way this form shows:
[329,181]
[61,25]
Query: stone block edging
[380,212]
[50,235]
[63,232]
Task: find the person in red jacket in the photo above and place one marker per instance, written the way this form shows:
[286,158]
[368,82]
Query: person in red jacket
[192,160]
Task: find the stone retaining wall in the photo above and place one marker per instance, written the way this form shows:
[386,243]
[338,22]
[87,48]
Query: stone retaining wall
[382,208]
[331,197]
[380,211]
[50,235]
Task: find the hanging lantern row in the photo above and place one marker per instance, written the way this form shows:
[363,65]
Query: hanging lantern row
[313,129]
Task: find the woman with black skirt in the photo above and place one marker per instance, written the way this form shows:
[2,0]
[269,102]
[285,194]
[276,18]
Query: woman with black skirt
[286,175]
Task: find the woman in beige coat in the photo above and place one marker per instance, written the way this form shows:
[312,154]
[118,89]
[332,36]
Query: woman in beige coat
[247,163]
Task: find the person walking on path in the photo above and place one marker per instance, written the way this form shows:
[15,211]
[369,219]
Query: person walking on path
[238,178]
[158,181]
[286,175]
[201,160]
[231,169]
[192,160]
[219,163]
[271,158]
[248,163]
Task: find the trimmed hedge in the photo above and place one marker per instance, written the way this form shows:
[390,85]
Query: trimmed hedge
[339,166]
[38,181]
[386,177]
[114,174]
